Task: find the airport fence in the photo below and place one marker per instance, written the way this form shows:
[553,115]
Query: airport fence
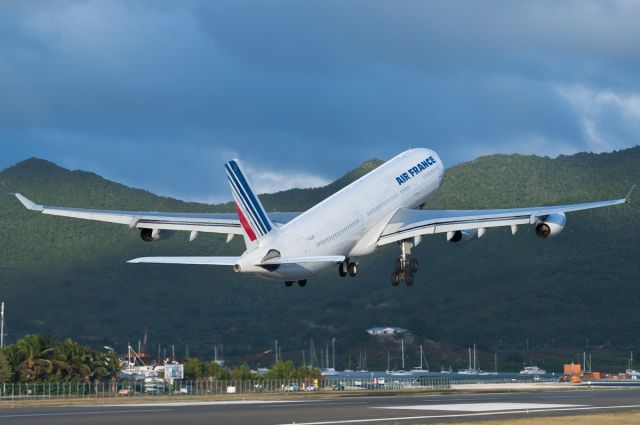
[521,380]
[213,387]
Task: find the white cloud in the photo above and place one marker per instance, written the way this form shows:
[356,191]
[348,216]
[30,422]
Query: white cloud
[270,181]
[609,120]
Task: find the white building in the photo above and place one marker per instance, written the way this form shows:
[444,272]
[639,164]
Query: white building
[388,330]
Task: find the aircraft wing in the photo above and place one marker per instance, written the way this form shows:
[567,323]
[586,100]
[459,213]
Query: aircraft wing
[408,223]
[230,261]
[192,222]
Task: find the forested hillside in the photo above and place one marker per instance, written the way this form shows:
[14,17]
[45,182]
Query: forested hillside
[69,278]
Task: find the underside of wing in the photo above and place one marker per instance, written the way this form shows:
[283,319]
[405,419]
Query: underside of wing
[230,261]
[155,221]
[408,223]
[201,261]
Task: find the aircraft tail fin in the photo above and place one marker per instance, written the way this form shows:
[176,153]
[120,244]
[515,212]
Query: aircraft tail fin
[254,219]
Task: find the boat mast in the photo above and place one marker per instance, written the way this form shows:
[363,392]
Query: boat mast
[2,326]
[475,358]
[333,352]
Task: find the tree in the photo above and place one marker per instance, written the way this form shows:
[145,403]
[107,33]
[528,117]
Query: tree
[5,368]
[241,372]
[213,370]
[193,368]
[287,370]
[74,362]
[282,370]
[30,358]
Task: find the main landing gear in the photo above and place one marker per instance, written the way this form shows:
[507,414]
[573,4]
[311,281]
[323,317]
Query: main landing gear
[405,267]
[301,283]
[348,267]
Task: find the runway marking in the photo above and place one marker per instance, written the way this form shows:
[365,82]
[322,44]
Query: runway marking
[105,412]
[466,415]
[479,407]
[468,398]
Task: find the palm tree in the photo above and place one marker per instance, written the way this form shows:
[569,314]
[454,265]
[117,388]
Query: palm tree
[73,362]
[30,358]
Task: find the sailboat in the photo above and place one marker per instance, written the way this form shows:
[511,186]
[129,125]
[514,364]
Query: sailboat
[400,372]
[495,362]
[631,372]
[419,369]
[349,370]
[328,370]
[472,370]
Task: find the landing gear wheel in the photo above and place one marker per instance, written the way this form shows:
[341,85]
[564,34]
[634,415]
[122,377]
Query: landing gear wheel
[353,269]
[408,278]
[398,265]
[413,265]
[342,269]
[302,283]
[288,283]
[395,278]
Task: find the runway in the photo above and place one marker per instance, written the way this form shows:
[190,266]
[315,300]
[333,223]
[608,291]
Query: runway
[348,410]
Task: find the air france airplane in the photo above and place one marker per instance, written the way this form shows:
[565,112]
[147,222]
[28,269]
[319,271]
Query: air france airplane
[375,210]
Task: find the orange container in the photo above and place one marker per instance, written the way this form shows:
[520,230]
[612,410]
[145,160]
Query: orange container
[591,375]
[572,369]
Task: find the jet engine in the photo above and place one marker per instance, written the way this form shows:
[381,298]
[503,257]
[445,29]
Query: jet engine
[550,225]
[461,235]
[149,235]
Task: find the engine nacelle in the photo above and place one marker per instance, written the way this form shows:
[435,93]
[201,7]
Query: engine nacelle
[461,235]
[551,225]
[150,235]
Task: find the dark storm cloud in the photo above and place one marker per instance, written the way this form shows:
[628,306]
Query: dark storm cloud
[159,94]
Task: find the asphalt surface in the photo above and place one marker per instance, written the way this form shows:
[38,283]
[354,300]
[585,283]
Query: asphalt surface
[409,409]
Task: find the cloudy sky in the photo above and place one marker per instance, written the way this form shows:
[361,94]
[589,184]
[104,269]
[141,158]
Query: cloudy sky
[159,94]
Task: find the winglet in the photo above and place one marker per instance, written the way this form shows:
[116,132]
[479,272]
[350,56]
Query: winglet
[28,203]
[628,197]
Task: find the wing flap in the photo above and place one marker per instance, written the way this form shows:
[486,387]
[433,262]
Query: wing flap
[302,260]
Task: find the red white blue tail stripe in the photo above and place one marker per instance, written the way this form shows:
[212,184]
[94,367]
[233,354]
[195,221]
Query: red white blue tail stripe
[251,213]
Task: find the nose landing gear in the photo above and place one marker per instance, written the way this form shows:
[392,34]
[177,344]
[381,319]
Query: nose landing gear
[405,267]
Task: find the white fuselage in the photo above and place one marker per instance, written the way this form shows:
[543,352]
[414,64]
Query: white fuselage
[350,221]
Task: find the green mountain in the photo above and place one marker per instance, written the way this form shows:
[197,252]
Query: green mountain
[572,293]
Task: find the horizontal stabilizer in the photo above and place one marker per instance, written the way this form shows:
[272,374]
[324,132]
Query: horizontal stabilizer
[301,260]
[202,261]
